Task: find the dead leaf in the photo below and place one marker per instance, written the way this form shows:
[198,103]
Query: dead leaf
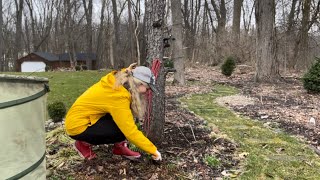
[243,155]
[279,150]
[154,176]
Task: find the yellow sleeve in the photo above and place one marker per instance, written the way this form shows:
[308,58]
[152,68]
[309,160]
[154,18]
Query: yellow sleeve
[124,119]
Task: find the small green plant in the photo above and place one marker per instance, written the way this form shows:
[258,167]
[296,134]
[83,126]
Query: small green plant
[57,110]
[311,80]
[47,68]
[168,63]
[134,148]
[84,67]
[77,67]
[212,161]
[228,66]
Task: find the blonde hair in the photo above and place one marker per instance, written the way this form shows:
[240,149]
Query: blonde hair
[138,101]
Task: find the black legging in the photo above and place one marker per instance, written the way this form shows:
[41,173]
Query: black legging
[104,131]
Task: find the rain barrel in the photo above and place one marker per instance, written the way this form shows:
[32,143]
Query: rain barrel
[23,112]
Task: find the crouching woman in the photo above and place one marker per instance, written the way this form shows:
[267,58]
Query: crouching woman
[104,114]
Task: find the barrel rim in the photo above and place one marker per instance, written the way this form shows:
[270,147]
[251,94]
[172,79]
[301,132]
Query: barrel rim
[11,78]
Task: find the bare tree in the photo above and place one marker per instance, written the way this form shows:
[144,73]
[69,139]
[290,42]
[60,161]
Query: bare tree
[301,49]
[190,18]
[267,66]
[71,9]
[246,9]
[154,34]
[221,14]
[130,34]
[116,43]
[88,13]
[18,36]
[33,29]
[237,4]
[177,48]
[1,39]
[100,45]
[137,14]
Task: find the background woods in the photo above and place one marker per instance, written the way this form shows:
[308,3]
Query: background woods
[115,30]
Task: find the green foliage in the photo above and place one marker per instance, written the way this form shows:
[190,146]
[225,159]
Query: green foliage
[168,63]
[57,110]
[77,67]
[134,148]
[84,67]
[47,68]
[212,161]
[311,80]
[228,66]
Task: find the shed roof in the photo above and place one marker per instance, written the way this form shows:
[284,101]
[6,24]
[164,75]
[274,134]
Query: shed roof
[65,56]
[79,56]
[47,56]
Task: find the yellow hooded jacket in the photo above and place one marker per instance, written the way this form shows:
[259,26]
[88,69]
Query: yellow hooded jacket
[100,99]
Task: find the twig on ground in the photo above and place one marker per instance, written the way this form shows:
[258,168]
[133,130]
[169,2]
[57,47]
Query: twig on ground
[194,137]
[317,151]
[184,135]
[182,176]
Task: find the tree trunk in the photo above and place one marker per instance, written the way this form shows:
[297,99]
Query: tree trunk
[290,36]
[100,45]
[177,47]
[88,13]
[69,30]
[302,45]
[130,35]
[267,66]
[136,31]
[154,31]
[119,62]
[1,40]
[237,4]
[18,37]
[221,13]
[33,30]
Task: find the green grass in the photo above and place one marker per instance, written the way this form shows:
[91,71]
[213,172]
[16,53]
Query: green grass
[212,161]
[68,86]
[272,154]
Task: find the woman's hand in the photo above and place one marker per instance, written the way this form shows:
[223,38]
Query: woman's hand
[157,156]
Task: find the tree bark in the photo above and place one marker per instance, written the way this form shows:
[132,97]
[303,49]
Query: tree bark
[177,47]
[18,36]
[302,43]
[69,30]
[1,40]
[237,4]
[154,34]
[119,62]
[130,35]
[137,14]
[100,45]
[267,66]
[33,28]
[88,13]
[221,14]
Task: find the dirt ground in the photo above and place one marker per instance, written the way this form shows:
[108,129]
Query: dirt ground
[187,141]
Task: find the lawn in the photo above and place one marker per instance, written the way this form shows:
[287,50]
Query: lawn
[68,86]
[270,153]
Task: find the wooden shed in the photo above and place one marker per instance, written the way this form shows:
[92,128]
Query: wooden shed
[38,61]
